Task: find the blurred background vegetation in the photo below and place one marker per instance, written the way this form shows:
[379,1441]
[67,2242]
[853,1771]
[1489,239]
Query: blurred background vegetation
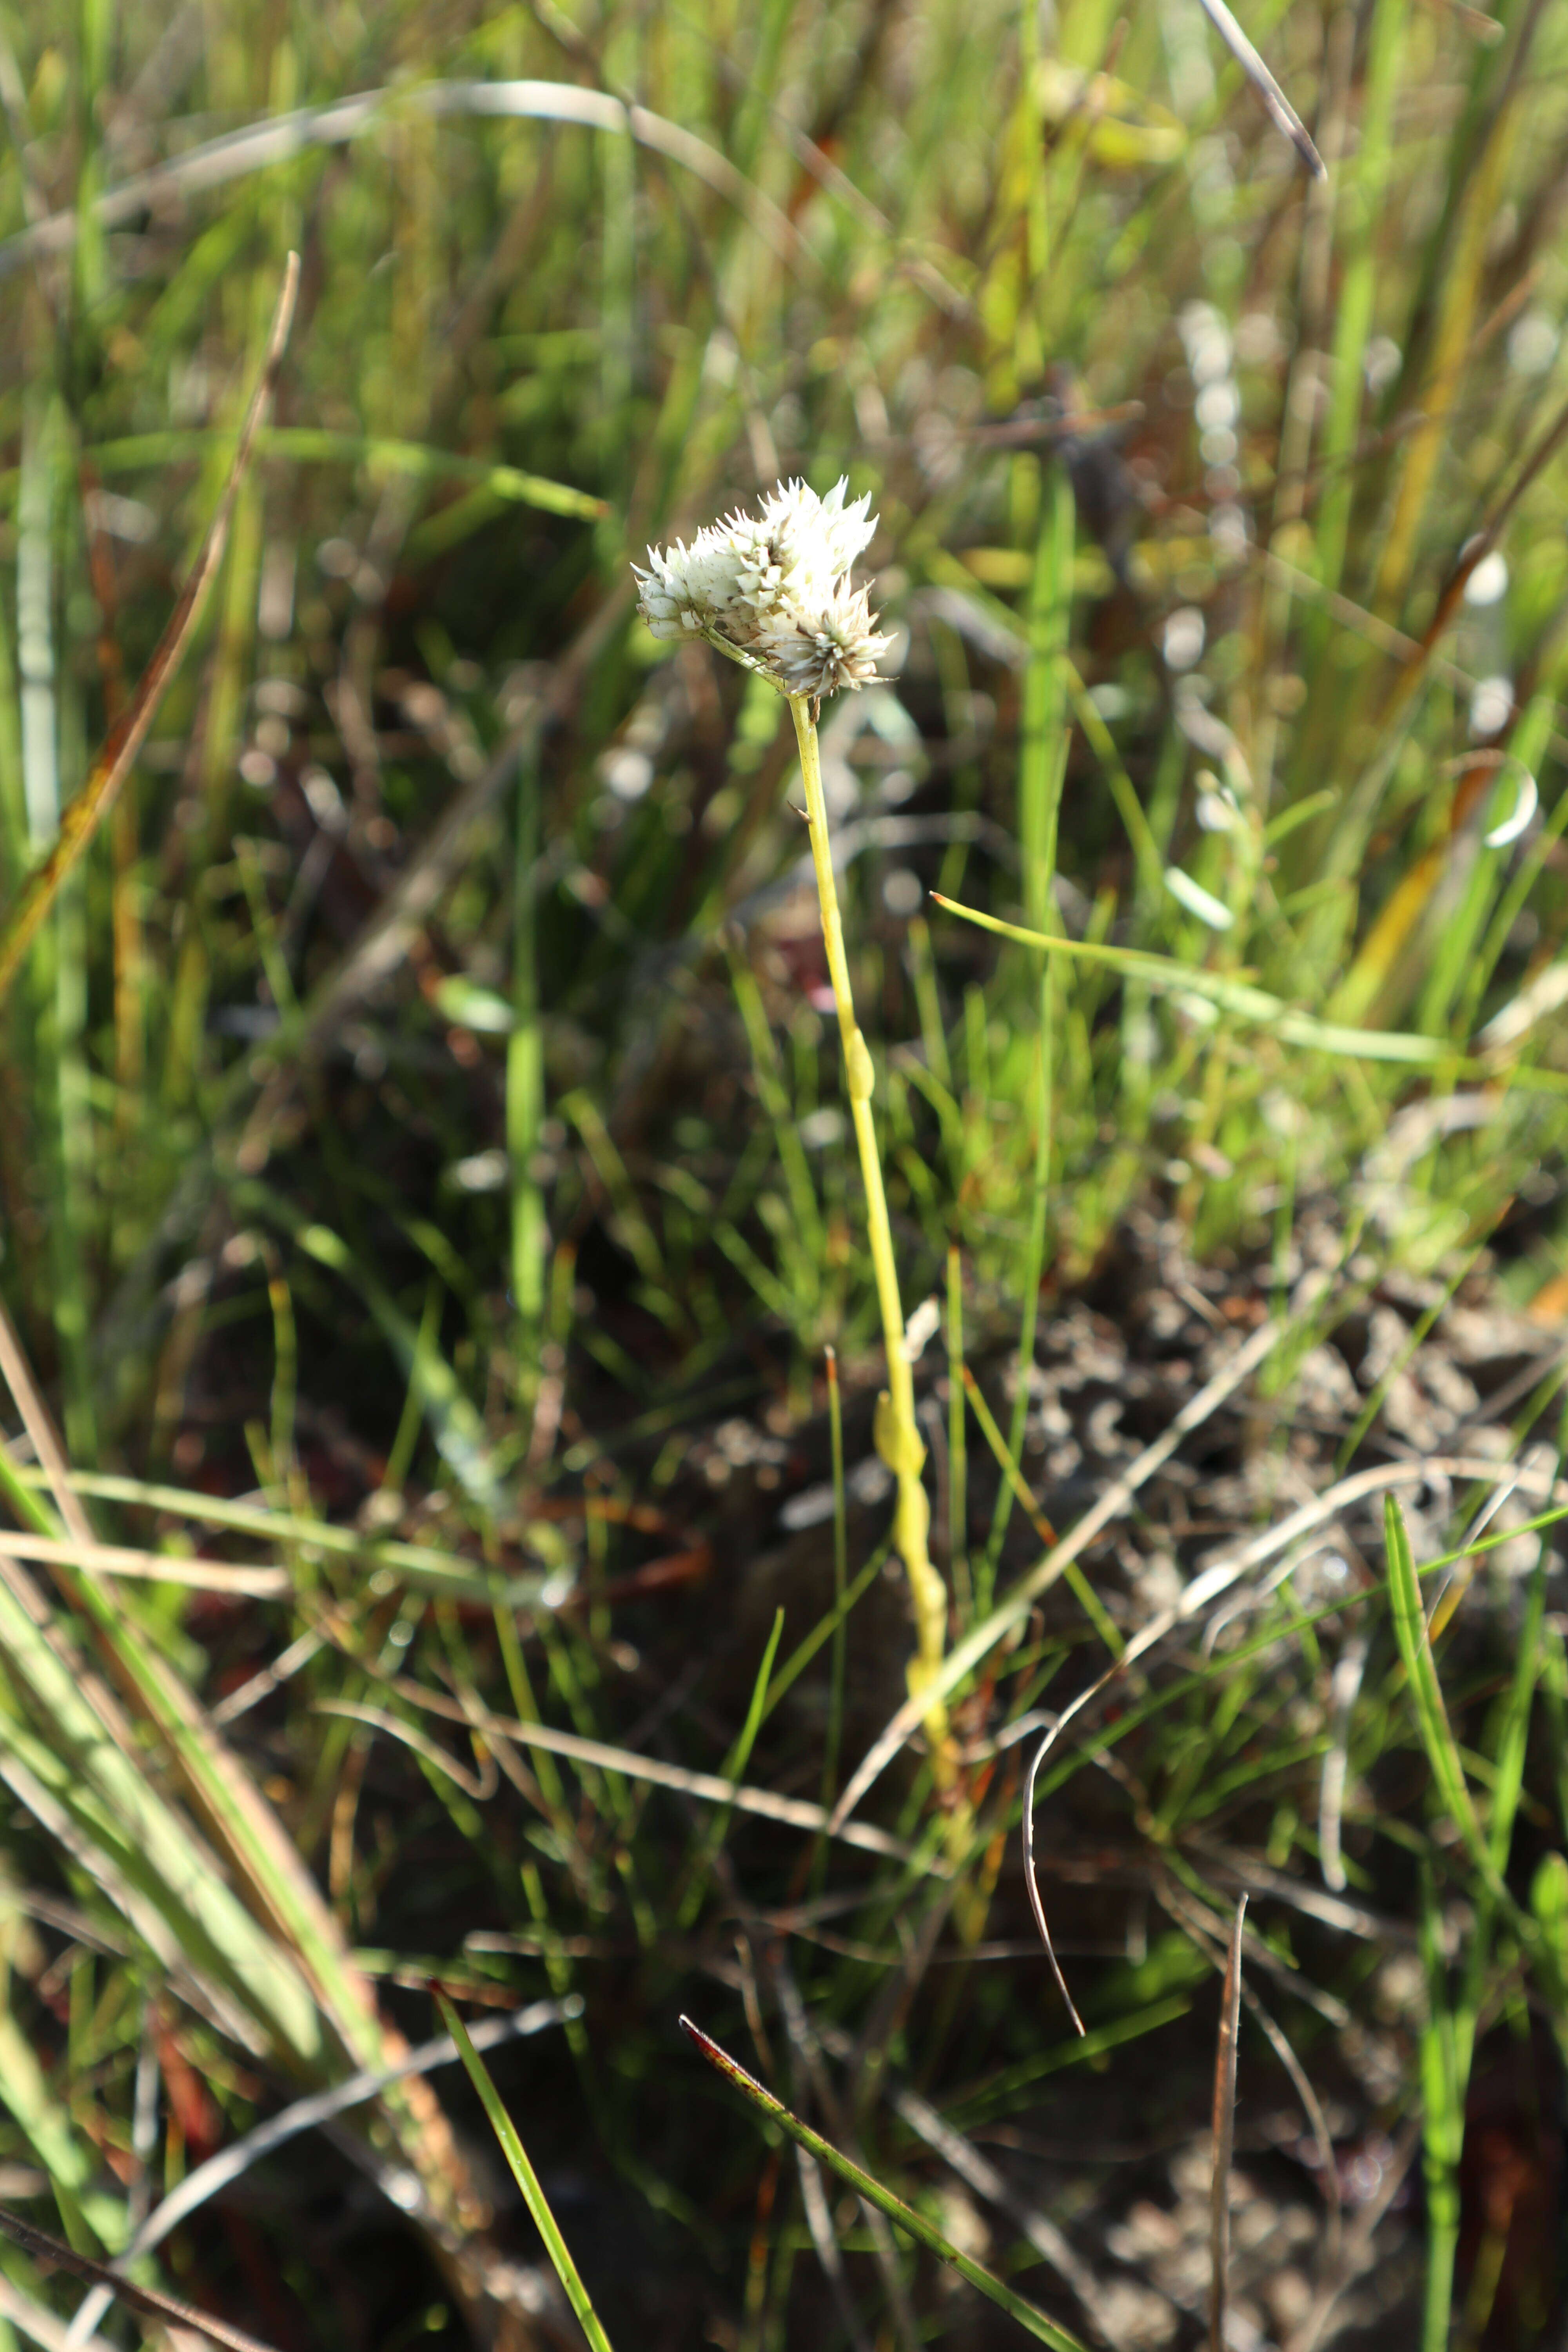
[423,1176]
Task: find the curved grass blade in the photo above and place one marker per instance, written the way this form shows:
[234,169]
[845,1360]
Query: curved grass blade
[1031,1876]
[87,812]
[1226,992]
[1044,2330]
[279,138]
[527,2179]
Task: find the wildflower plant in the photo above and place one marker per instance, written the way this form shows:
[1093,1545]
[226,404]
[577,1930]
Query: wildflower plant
[773,590]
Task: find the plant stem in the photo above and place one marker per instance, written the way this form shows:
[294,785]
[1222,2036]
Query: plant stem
[899,1439]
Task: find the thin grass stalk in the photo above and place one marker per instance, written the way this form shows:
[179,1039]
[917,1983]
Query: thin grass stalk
[734,1765]
[1228,994]
[897,1438]
[1083,1591]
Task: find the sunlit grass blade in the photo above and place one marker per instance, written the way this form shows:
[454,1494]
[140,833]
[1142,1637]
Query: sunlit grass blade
[1035,2324]
[1549,1907]
[527,2179]
[1225,992]
[1445,2070]
[422,1565]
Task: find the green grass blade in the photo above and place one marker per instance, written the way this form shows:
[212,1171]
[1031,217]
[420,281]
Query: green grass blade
[1549,1907]
[455,1420]
[309,446]
[1044,2330]
[1444,2076]
[1426,1692]
[1088,1600]
[527,2179]
[1226,992]
[733,1768]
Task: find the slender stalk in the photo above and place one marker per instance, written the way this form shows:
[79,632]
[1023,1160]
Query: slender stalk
[899,1440]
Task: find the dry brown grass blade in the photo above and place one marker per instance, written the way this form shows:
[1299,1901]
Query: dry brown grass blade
[151,1567]
[1190,1916]
[1285,116]
[87,812]
[1225,2127]
[42,1435]
[146,2300]
[707,1788]
[1031,1883]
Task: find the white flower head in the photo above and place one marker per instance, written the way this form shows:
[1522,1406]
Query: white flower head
[775,589]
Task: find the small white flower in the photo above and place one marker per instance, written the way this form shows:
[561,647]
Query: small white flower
[775,589]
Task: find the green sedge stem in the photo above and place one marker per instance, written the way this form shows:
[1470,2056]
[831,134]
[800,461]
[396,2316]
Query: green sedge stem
[899,1439]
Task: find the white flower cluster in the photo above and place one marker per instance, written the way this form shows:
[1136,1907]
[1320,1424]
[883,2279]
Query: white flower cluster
[775,589]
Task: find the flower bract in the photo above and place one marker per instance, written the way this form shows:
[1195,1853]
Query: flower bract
[775,588]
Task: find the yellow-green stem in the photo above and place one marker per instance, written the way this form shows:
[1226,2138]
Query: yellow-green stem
[897,1437]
